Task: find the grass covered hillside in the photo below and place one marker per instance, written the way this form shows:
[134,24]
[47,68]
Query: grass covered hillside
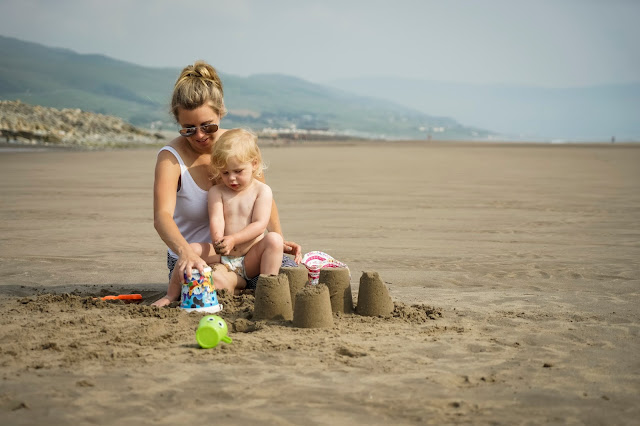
[61,78]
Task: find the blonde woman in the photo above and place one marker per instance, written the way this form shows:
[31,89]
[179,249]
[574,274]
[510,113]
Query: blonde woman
[182,181]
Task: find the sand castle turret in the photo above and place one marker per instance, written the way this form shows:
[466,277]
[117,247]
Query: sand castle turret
[373,296]
[313,308]
[338,282]
[298,277]
[273,299]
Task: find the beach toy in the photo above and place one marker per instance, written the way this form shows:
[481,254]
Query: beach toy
[129,298]
[316,260]
[198,293]
[212,329]
[126,298]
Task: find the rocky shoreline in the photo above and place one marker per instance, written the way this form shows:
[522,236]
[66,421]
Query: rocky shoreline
[24,124]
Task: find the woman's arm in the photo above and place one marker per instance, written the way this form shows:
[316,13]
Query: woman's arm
[274,218]
[274,226]
[165,184]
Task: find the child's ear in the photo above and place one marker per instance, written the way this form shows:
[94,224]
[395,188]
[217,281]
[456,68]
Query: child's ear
[254,164]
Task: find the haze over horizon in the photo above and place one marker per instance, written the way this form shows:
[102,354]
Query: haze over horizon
[544,44]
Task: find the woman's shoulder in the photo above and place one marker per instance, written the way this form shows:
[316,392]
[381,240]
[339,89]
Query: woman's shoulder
[171,153]
[176,145]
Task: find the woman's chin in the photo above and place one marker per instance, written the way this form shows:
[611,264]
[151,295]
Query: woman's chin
[202,146]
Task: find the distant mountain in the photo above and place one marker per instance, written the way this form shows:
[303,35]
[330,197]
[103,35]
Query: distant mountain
[584,113]
[61,78]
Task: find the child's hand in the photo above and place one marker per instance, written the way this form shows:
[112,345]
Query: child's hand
[225,245]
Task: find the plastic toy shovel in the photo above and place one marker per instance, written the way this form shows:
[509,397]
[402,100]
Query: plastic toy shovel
[126,298]
[130,297]
[211,330]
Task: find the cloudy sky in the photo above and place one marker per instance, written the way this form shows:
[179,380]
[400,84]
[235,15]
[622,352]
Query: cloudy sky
[549,43]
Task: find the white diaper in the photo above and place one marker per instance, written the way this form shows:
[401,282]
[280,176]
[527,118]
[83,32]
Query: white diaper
[235,264]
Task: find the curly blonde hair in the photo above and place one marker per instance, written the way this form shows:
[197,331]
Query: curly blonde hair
[237,143]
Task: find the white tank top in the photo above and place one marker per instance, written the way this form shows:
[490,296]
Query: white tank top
[191,213]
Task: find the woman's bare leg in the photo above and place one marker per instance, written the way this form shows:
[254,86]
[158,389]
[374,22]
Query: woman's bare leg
[173,291]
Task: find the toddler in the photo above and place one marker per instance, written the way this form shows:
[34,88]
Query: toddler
[239,211]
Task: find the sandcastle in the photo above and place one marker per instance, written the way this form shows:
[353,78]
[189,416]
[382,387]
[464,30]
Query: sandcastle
[338,282]
[373,296]
[298,277]
[313,308]
[272,298]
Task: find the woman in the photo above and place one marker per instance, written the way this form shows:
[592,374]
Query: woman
[182,181]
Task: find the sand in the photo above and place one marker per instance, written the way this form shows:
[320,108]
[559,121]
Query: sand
[273,298]
[298,277]
[313,307]
[514,270]
[338,283]
[373,296]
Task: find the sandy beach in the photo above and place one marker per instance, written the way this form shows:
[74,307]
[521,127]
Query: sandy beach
[514,268]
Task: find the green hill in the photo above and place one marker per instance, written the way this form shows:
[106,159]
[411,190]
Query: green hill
[61,78]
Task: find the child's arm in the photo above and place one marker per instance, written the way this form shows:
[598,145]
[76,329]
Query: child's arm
[259,221]
[216,215]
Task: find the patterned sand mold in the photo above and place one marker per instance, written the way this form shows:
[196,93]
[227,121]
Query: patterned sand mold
[338,282]
[298,277]
[272,298]
[313,308]
[373,296]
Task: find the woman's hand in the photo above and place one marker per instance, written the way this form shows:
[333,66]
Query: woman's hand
[187,261]
[295,249]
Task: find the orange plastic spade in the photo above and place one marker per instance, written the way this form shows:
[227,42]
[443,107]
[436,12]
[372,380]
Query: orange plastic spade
[129,298]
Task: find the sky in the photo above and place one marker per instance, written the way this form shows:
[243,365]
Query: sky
[543,43]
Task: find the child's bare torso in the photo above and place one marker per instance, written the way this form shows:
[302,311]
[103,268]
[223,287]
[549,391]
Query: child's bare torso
[238,213]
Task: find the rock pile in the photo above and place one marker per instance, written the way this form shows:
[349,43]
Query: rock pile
[34,124]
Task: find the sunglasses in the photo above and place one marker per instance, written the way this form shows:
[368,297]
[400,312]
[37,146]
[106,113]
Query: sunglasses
[206,128]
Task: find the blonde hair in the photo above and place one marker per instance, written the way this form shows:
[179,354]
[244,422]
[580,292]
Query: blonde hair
[237,143]
[198,84]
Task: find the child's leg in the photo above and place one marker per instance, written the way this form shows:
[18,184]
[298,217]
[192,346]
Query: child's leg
[206,252]
[265,257]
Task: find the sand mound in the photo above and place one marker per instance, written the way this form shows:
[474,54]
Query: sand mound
[313,308]
[373,296]
[273,298]
[338,282]
[298,277]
